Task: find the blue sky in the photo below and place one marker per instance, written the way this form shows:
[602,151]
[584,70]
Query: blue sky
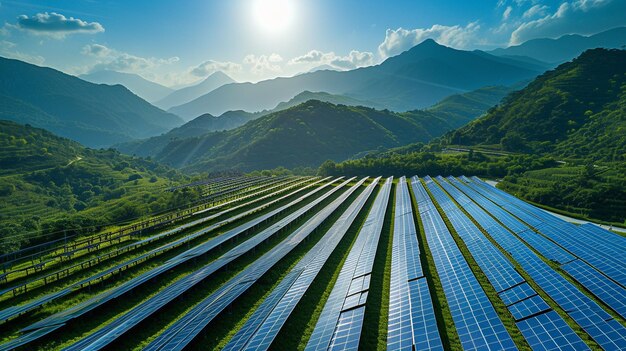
[177,42]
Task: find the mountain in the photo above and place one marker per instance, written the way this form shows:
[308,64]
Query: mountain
[566,47]
[51,184]
[575,110]
[326,97]
[198,126]
[414,79]
[468,106]
[450,113]
[187,94]
[95,115]
[147,90]
[306,135]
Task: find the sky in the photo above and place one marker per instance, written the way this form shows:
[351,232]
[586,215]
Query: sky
[176,43]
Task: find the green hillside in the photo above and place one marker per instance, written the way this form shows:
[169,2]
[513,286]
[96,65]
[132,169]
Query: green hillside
[49,184]
[92,114]
[560,141]
[579,103]
[306,135]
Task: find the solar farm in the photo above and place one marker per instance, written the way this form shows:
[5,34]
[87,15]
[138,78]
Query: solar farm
[336,263]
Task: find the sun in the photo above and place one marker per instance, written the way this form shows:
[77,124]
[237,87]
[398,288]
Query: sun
[273,16]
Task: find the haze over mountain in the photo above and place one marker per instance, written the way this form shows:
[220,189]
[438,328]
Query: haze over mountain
[414,79]
[190,93]
[95,115]
[147,90]
[566,47]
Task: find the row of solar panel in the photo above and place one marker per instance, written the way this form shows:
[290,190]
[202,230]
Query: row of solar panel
[16,310]
[477,323]
[59,319]
[607,332]
[50,258]
[602,287]
[522,301]
[263,326]
[183,330]
[412,324]
[339,325]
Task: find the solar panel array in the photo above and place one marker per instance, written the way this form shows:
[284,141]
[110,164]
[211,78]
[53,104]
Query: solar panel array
[262,327]
[124,323]
[475,318]
[606,331]
[184,330]
[19,309]
[514,244]
[88,305]
[412,324]
[339,325]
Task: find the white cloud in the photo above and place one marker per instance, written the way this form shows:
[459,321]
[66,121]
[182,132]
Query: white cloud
[111,59]
[536,10]
[579,16]
[8,49]
[56,25]
[263,64]
[353,60]
[209,67]
[507,13]
[399,40]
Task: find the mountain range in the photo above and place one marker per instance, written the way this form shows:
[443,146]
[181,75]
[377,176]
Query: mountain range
[95,115]
[186,94]
[565,48]
[311,132]
[147,90]
[417,78]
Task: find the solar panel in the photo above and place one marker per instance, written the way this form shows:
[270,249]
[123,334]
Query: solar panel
[517,293]
[411,315]
[348,332]
[336,329]
[111,331]
[603,288]
[548,331]
[262,327]
[478,326]
[183,331]
[585,312]
[528,307]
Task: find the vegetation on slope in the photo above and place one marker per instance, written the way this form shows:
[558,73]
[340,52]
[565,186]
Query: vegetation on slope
[92,114]
[51,186]
[569,123]
[304,135]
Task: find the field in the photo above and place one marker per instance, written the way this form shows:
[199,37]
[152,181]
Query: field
[311,263]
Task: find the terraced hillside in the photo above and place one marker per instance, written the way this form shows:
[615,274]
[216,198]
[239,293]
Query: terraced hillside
[310,263]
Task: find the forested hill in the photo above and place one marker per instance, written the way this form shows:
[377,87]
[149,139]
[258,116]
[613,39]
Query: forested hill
[577,110]
[95,115]
[310,133]
[49,183]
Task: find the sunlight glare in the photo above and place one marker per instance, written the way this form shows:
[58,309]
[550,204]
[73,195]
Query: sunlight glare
[273,16]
